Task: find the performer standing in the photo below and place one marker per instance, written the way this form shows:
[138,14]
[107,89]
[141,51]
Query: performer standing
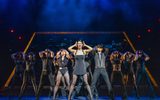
[18,58]
[80,65]
[29,73]
[128,69]
[100,55]
[62,58]
[47,63]
[116,61]
[140,60]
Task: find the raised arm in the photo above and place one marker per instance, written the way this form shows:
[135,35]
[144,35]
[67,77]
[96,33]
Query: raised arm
[123,56]
[58,54]
[106,51]
[71,48]
[136,57]
[13,56]
[67,54]
[146,57]
[41,54]
[111,58]
[89,48]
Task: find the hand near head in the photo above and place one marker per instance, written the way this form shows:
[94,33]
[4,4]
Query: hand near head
[75,43]
[84,44]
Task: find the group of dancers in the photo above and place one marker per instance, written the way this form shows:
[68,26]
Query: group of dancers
[81,57]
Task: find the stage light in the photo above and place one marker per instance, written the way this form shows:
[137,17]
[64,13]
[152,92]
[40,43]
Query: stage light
[149,30]
[139,36]
[12,30]
[20,37]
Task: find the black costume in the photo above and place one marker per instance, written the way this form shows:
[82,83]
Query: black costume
[116,62]
[19,62]
[47,63]
[141,71]
[29,73]
[62,64]
[128,69]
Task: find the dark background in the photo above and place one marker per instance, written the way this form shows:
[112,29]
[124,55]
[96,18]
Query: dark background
[20,18]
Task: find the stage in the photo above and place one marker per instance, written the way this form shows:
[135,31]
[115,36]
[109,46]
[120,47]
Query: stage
[78,98]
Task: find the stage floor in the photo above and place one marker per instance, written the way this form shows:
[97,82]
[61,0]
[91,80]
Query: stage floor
[78,98]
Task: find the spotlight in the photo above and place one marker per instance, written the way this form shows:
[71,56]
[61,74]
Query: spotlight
[139,36]
[19,37]
[12,30]
[149,30]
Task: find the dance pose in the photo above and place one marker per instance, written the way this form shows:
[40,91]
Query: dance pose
[80,65]
[128,59]
[29,73]
[116,61]
[100,55]
[47,63]
[18,58]
[62,58]
[140,60]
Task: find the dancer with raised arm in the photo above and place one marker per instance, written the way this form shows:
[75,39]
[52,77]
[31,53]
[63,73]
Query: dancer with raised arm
[62,58]
[99,54]
[116,61]
[80,65]
[29,73]
[127,61]
[47,63]
[140,59]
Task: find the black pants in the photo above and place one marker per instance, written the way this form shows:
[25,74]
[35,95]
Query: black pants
[28,75]
[130,72]
[96,75]
[44,74]
[142,73]
[119,73]
[18,76]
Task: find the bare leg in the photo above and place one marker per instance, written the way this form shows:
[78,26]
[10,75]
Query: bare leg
[58,80]
[125,77]
[33,79]
[72,86]
[66,75]
[23,84]
[85,77]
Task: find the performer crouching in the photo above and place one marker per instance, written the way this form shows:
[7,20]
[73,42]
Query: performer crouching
[19,60]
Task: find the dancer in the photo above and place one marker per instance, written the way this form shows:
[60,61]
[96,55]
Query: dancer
[62,62]
[29,73]
[100,53]
[140,60]
[47,63]
[116,61]
[80,65]
[18,58]
[128,59]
